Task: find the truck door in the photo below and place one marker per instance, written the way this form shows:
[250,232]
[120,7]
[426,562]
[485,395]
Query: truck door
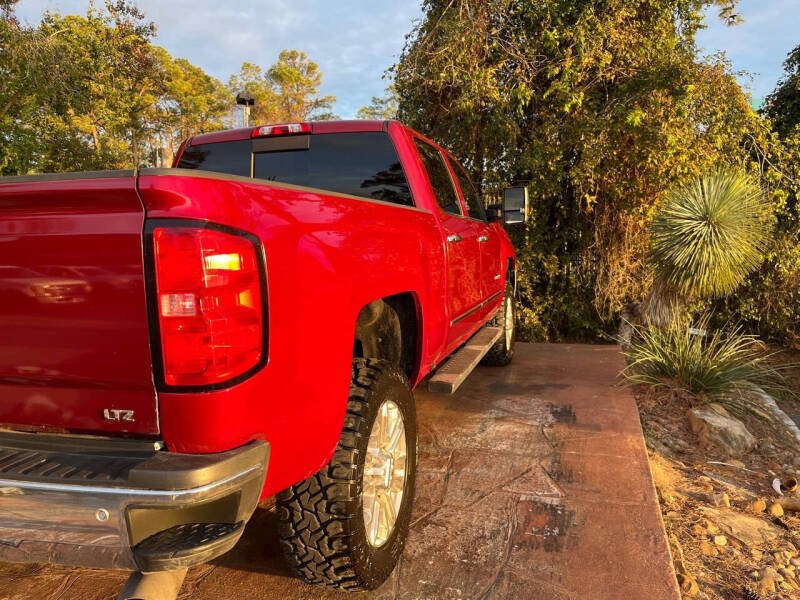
[488,241]
[461,234]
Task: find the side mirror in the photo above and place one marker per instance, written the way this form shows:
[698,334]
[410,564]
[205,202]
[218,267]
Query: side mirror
[494,212]
[515,205]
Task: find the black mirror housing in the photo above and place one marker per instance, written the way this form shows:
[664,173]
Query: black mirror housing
[515,205]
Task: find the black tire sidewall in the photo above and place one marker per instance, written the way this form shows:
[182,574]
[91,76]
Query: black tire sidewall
[375,564]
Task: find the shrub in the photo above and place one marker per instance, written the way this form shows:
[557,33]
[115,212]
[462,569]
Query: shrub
[721,366]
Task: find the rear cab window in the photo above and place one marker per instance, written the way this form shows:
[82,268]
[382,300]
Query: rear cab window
[363,164]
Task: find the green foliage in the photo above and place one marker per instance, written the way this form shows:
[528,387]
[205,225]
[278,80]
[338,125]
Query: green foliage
[381,108]
[93,92]
[288,91]
[718,367]
[710,234]
[193,102]
[783,104]
[600,107]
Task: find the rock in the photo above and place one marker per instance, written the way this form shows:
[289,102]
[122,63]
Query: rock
[771,573]
[757,506]
[719,499]
[720,540]
[795,562]
[766,586]
[714,426]
[776,510]
[749,530]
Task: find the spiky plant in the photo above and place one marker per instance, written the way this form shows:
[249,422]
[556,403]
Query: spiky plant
[718,366]
[710,234]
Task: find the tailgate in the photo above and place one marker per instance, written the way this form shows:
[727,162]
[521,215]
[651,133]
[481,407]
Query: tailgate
[74,337]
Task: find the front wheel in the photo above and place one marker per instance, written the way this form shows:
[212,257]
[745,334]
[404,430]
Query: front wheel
[503,350]
[346,526]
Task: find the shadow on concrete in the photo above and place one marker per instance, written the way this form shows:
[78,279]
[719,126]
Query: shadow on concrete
[258,551]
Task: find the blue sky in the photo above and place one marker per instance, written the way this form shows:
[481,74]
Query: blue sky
[759,45]
[355,41]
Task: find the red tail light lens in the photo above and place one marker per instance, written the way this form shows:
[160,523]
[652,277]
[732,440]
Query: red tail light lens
[209,305]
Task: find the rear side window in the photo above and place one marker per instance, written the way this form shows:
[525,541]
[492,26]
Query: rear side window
[359,164]
[471,197]
[232,158]
[439,176]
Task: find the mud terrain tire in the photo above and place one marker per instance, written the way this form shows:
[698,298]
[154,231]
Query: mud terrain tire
[321,520]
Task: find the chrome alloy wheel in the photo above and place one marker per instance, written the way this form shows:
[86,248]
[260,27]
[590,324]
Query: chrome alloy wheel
[508,325]
[384,473]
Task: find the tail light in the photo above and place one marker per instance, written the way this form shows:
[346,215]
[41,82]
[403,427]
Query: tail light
[287,129]
[209,301]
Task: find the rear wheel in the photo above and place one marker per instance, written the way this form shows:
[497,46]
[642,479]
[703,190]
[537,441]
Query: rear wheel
[503,350]
[346,526]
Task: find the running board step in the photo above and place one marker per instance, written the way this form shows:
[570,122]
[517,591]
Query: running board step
[452,374]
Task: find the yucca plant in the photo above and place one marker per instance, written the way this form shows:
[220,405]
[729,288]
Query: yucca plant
[717,367]
[708,236]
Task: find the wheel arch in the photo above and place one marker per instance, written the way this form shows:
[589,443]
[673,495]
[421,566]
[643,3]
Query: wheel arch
[390,328]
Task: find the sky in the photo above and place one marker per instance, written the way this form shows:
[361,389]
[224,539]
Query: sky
[770,30]
[355,41]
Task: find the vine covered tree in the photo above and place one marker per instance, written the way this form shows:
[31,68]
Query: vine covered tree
[600,107]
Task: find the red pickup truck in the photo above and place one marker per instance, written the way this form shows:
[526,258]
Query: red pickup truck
[178,344]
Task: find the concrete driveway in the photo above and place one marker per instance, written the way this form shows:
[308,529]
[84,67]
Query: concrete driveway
[533,483]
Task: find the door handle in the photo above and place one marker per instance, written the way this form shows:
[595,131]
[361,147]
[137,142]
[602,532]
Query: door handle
[483,238]
[453,237]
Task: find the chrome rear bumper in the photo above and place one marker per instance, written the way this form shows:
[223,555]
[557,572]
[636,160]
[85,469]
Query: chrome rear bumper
[73,500]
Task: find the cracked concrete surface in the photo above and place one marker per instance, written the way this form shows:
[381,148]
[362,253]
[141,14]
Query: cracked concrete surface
[533,483]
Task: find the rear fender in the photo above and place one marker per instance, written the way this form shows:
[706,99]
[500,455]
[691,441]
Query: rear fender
[327,256]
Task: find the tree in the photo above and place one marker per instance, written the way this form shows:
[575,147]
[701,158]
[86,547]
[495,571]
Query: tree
[600,107]
[92,92]
[783,104]
[78,89]
[252,80]
[381,108]
[288,91]
[193,102]
[296,80]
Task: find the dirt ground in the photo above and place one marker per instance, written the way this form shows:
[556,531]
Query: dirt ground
[701,492]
